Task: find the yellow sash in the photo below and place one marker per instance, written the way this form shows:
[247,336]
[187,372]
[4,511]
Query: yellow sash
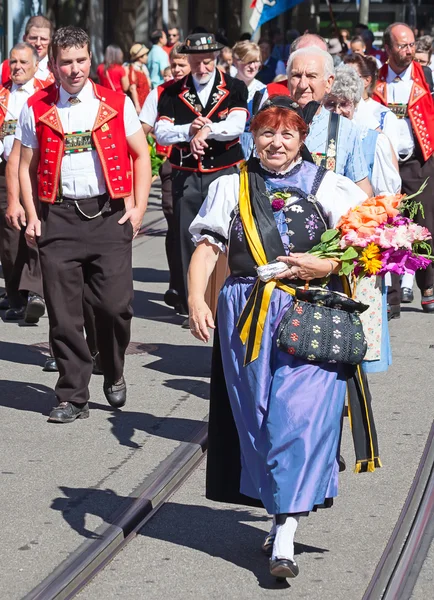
[250,329]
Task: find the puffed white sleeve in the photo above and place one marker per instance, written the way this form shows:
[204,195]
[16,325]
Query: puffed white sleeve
[337,194]
[214,217]
[385,177]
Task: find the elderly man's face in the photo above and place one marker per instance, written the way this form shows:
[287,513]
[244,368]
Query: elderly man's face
[202,66]
[306,81]
[23,65]
[402,49]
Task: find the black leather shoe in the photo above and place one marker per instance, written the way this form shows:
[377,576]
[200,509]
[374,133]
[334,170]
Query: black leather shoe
[116,393]
[283,568]
[393,311]
[427,302]
[35,308]
[407,295]
[14,314]
[50,365]
[97,367]
[171,297]
[180,309]
[4,302]
[67,412]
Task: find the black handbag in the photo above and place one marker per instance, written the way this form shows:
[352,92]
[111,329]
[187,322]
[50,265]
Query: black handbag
[323,326]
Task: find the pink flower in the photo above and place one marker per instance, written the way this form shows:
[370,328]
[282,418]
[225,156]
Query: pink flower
[277,204]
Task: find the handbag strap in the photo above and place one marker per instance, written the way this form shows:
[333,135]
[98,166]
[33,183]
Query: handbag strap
[110,80]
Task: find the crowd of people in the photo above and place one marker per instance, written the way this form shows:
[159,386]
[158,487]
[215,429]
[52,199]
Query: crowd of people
[323,129]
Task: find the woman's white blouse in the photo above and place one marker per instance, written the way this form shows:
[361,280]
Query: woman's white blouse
[385,177]
[336,194]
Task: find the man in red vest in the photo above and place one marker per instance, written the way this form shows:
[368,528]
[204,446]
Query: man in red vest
[20,264]
[84,151]
[402,87]
[38,33]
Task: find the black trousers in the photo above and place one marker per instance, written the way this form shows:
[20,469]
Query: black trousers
[173,257]
[189,190]
[21,268]
[76,252]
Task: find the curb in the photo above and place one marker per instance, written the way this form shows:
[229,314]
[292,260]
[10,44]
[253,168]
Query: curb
[93,555]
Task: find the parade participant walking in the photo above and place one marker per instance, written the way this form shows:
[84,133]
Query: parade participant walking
[283,453]
[173,38]
[402,87]
[180,68]
[38,33]
[157,58]
[138,75]
[202,116]
[333,140]
[111,73]
[79,144]
[20,264]
[247,60]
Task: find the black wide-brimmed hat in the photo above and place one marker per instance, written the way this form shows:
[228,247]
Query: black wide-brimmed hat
[200,43]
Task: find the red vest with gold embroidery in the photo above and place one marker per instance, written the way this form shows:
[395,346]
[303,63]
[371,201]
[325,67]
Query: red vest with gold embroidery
[5,94]
[420,106]
[108,136]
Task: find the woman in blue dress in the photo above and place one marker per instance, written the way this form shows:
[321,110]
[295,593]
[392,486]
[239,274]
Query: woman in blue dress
[275,420]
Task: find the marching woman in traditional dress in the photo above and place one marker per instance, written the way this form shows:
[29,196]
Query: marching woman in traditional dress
[283,450]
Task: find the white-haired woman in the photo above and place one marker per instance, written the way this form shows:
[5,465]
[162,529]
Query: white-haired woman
[344,97]
[247,61]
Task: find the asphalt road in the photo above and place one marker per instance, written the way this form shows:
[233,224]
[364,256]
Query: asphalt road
[59,483]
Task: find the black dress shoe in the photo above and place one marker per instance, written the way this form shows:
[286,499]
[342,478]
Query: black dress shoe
[35,308]
[14,314]
[283,568]
[407,295]
[4,302]
[427,302]
[180,309]
[171,297]
[116,393]
[393,311]
[67,412]
[50,365]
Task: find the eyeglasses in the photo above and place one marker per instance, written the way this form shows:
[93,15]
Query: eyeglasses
[405,46]
[333,105]
[251,63]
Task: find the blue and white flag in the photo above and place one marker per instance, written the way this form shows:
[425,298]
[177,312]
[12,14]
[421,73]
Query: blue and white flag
[265,10]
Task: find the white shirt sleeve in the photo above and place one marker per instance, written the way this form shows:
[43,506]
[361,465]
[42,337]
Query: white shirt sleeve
[215,213]
[391,129]
[230,128]
[385,178]
[337,194]
[149,112]
[167,133]
[26,129]
[131,120]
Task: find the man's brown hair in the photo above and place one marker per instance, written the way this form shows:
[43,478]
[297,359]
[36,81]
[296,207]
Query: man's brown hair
[39,21]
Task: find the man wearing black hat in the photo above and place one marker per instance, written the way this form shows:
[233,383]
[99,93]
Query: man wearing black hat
[202,117]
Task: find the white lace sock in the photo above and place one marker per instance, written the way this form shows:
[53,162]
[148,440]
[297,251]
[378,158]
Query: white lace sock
[284,542]
[407,281]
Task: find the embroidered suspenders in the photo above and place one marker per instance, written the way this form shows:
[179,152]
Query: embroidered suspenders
[328,160]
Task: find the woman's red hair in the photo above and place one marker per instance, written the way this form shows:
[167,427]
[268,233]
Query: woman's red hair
[276,117]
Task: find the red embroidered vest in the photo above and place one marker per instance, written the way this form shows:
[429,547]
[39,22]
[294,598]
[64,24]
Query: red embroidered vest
[108,136]
[163,150]
[5,94]
[420,106]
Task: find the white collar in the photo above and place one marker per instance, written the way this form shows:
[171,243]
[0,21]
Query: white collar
[43,63]
[29,87]
[291,166]
[199,86]
[84,95]
[405,75]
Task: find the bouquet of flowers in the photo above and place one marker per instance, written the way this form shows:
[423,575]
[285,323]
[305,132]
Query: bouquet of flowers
[375,238]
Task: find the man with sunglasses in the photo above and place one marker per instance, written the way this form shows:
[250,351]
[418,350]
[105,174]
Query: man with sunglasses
[173,37]
[403,88]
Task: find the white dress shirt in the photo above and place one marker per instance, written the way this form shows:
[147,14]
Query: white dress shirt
[233,126]
[81,172]
[149,112]
[398,92]
[17,99]
[372,114]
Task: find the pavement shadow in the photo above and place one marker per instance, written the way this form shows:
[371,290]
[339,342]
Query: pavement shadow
[148,275]
[182,361]
[34,397]
[146,306]
[221,533]
[125,424]
[22,354]
[191,386]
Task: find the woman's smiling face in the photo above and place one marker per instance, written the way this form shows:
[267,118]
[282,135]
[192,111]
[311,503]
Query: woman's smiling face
[277,148]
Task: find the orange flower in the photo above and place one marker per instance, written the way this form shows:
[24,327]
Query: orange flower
[368,215]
